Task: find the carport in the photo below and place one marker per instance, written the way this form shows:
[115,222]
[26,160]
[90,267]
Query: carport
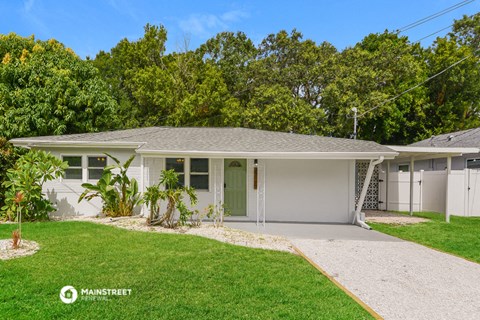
[412,154]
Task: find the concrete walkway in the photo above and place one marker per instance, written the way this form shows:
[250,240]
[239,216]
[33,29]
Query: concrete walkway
[398,279]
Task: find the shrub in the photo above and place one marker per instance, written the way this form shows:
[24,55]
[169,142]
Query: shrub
[217,213]
[27,177]
[118,192]
[168,189]
[8,156]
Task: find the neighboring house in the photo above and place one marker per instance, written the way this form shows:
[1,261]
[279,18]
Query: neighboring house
[437,174]
[461,139]
[258,175]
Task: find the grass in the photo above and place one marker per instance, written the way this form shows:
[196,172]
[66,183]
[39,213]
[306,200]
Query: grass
[171,277]
[460,237]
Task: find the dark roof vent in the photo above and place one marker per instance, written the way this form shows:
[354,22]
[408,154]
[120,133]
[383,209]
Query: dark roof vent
[450,137]
[432,144]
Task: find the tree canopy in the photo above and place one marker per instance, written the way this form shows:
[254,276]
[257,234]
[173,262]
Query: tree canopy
[46,89]
[285,83]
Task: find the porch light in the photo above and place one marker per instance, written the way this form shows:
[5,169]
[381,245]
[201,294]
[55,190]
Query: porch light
[255,162]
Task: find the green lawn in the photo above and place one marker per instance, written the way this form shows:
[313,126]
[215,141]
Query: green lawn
[461,236]
[171,277]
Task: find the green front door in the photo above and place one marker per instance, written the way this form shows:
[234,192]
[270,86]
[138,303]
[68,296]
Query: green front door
[235,186]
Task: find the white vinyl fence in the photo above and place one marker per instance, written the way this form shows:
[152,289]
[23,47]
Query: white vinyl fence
[429,191]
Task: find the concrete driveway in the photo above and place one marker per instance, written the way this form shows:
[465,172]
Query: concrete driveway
[316,231]
[398,279]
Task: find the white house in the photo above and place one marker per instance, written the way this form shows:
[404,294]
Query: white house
[258,175]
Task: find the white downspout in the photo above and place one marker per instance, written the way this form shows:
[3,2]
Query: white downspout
[366,183]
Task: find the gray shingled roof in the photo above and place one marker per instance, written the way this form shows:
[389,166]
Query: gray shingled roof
[466,138]
[218,140]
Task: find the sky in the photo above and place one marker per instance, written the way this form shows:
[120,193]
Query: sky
[89,26]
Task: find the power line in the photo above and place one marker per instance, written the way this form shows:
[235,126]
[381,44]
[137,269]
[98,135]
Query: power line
[434,16]
[432,34]
[418,85]
[438,31]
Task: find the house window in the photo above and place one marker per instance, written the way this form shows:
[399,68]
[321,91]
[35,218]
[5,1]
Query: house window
[74,171]
[199,174]
[404,167]
[178,165]
[95,167]
[473,163]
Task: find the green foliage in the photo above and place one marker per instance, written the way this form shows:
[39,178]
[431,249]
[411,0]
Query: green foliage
[118,192]
[286,83]
[274,108]
[169,190]
[31,171]
[46,89]
[217,212]
[8,156]
[466,31]
[455,94]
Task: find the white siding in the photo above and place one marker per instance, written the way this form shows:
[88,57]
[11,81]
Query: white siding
[64,194]
[295,190]
[309,190]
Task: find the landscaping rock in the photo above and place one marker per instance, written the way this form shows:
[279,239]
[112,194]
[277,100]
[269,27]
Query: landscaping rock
[27,248]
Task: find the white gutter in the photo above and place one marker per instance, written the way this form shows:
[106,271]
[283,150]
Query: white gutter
[363,194]
[272,155]
[75,144]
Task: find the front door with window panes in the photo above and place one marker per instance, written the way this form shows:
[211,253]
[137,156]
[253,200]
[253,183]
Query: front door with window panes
[235,186]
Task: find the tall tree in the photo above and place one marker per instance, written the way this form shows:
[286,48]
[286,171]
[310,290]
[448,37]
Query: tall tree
[455,93]
[467,31]
[375,70]
[232,53]
[121,66]
[46,89]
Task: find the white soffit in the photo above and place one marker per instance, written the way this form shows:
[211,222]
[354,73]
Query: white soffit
[419,153]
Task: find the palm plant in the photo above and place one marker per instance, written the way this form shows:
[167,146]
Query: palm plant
[119,192]
[168,189]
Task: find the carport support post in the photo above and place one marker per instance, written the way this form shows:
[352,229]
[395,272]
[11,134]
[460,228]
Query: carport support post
[449,171]
[412,171]
[387,181]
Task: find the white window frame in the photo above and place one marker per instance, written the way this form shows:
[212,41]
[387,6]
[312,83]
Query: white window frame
[186,164]
[190,173]
[81,167]
[474,160]
[404,164]
[87,167]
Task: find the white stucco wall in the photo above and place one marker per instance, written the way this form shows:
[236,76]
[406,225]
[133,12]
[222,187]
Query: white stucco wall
[153,167]
[309,190]
[64,193]
[295,190]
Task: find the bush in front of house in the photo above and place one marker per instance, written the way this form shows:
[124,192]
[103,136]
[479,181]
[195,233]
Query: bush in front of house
[168,189]
[119,193]
[27,177]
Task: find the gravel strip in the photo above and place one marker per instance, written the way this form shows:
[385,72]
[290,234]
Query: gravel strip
[207,230]
[391,218]
[27,248]
[401,280]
